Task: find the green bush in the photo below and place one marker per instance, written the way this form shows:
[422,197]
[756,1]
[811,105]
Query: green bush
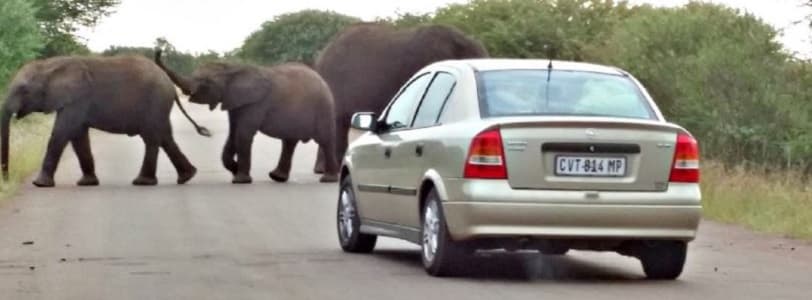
[182,63]
[713,69]
[716,71]
[20,42]
[536,28]
[19,37]
[294,37]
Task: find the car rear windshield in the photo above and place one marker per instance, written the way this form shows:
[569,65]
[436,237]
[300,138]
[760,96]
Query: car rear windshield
[579,93]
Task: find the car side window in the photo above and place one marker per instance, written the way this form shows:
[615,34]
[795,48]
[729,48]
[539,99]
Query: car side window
[436,96]
[401,111]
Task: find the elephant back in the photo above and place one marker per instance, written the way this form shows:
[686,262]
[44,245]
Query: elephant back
[367,63]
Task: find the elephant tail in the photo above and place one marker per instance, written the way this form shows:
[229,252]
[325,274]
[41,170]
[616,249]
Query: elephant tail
[200,129]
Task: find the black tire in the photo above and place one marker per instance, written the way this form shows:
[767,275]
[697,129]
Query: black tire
[663,260]
[449,255]
[351,238]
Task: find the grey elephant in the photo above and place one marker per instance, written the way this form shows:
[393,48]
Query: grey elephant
[124,95]
[290,102]
[366,64]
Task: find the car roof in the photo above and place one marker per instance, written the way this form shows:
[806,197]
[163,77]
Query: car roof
[492,64]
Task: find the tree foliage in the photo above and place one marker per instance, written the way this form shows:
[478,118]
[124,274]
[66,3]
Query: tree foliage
[536,28]
[60,19]
[19,37]
[717,71]
[293,37]
[713,69]
[183,63]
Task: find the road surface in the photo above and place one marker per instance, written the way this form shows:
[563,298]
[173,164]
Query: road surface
[210,239]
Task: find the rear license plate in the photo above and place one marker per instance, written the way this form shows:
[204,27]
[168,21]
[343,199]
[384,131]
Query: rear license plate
[590,166]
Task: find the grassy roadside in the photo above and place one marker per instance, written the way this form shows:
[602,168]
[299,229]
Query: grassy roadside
[29,137]
[778,203]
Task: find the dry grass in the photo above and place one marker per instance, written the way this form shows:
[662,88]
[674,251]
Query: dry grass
[29,137]
[776,203]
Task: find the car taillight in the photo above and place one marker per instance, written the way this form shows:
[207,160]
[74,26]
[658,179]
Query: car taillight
[486,158]
[686,160]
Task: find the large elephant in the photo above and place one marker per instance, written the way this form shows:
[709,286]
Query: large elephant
[290,102]
[367,63]
[124,94]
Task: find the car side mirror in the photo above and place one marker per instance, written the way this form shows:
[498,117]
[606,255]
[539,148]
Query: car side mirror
[365,121]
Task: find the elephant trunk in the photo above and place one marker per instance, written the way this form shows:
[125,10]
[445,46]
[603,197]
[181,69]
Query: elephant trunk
[5,122]
[185,84]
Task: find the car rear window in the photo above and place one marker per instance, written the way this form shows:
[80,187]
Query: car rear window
[529,92]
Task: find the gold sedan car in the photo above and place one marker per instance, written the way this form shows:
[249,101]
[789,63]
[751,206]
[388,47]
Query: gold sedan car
[522,154]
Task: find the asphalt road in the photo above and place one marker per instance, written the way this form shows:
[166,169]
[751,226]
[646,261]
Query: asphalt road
[210,239]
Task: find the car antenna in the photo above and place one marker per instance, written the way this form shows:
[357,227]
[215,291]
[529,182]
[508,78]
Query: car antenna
[547,87]
[550,57]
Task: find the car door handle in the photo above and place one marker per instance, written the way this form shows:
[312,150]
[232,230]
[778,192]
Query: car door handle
[387,152]
[419,149]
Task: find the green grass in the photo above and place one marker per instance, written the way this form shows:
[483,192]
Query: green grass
[778,203]
[29,137]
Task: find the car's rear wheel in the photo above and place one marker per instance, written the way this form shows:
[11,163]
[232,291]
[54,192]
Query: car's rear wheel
[441,255]
[663,259]
[349,222]
[555,250]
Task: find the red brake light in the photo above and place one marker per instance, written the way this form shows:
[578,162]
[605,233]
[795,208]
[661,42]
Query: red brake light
[486,158]
[686,160]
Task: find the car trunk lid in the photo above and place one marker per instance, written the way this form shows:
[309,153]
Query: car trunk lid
[585,153]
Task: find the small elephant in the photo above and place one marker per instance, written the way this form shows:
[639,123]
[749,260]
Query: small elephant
[290,102]
[123,94]
[366,64]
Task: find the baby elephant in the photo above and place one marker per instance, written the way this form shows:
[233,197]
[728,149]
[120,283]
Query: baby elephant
[125,95]
[289,101]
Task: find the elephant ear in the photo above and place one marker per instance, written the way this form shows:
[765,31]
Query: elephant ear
[65,83]
[245,87]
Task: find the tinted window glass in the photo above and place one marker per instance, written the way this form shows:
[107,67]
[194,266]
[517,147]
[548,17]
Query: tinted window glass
[402,109]
[435,99]
[528,92]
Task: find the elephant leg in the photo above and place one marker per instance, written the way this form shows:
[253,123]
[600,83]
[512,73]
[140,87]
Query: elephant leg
[56,145]
[318,168]
[65,129]
[330,162]
[185,168]
[229,150]
[243,141]
[81,145]
[282,171]
[342,140]
[148,167]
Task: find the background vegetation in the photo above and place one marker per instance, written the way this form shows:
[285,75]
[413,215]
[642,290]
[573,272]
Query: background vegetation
[60,19]
[293,37]
[717,71]
[20,41]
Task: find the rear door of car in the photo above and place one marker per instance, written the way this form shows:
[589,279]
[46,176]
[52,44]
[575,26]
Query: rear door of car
[385,160]
[419,146]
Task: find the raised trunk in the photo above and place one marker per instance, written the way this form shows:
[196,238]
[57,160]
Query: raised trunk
[185,84]
[5,121]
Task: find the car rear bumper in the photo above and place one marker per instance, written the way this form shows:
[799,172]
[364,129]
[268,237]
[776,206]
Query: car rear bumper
[491,209]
